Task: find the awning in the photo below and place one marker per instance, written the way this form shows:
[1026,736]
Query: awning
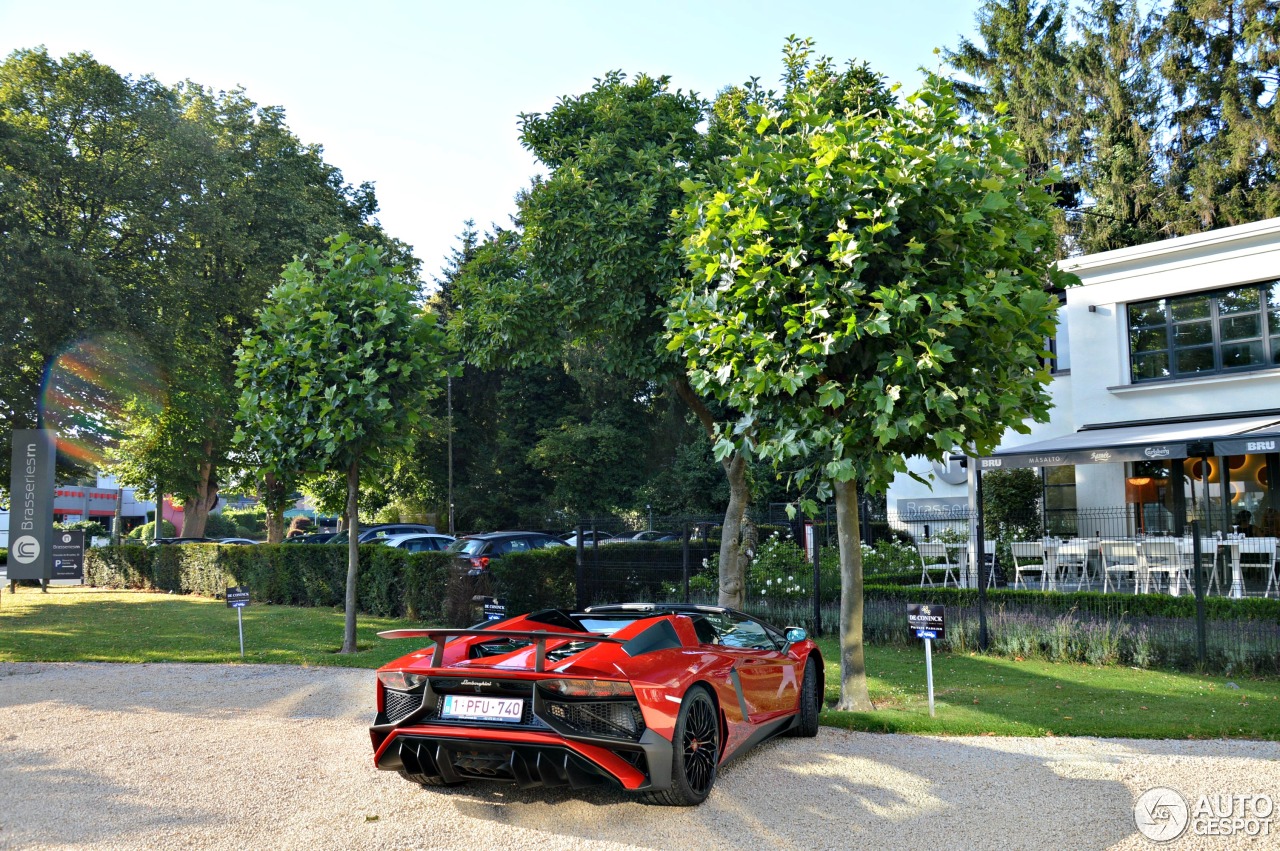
[1146,442]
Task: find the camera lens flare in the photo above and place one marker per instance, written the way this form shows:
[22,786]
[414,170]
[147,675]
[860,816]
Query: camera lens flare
[90,390]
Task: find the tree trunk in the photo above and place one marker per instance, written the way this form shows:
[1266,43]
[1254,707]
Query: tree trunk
[273,499]
[353,557]
[853,663]
[117,515]
[733,584]
[195,511]
[159,530]
[732,568]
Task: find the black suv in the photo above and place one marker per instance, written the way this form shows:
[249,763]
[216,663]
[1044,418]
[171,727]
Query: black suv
[474,552]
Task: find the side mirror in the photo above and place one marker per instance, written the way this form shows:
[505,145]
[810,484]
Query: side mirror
[793,635]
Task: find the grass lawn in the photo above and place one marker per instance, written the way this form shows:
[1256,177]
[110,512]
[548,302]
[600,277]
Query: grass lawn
[974,694]
[75,624]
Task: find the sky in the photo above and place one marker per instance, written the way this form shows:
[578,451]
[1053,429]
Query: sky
[422,98]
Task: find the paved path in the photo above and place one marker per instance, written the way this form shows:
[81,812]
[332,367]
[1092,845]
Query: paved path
[236,756]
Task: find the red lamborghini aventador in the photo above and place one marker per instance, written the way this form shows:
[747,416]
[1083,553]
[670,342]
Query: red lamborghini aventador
[651,698]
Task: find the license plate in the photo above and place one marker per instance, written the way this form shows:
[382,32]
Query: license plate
[481,708]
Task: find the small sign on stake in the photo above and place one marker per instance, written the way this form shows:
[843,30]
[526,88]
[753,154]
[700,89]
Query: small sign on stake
[494,609]
[238,598]
[928,622]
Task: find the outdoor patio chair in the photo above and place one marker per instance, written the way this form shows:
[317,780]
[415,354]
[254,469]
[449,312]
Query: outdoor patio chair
[1120,557]
[1259,553]
[1164,557]
[1030,557]
[934,555]
[1073,559]
[1273,579]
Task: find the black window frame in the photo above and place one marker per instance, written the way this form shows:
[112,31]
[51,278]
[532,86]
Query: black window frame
[1268,317]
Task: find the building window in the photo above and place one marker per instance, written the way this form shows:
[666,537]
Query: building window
[1059,347]
[1232,330]
[1060,500]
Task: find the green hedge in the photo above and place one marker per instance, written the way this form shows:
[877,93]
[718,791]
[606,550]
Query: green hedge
[4,555]
[393,583]
[537,579]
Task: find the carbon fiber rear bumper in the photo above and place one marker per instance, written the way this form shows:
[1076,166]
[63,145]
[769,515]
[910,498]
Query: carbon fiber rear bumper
[530,764]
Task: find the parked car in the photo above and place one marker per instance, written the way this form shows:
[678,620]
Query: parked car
[645,537]
[474,552]
[311,538]
[236,541]
[588,536]
[368,534]
[417,542]
[654,699]
[179,540]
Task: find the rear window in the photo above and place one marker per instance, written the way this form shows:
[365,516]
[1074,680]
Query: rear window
[467,546]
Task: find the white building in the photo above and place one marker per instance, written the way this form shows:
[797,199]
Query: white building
[1166,400]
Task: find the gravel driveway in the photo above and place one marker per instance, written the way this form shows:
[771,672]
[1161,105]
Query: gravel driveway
[236,756]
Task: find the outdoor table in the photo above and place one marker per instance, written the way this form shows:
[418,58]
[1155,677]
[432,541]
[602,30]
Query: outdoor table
[1233,547]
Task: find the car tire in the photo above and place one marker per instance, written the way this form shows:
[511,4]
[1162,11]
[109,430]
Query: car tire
[695,752]
[810,702]
[429,780]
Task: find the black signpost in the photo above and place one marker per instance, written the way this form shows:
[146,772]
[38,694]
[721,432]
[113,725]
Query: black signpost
[929,623]
[67,551]
[238,598]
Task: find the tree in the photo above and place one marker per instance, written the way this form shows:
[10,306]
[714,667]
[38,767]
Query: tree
[341,361]
[868,286]
[96,174]
[1022,62]
[1219,59]
[597,260]
[1114,139]
[266,198]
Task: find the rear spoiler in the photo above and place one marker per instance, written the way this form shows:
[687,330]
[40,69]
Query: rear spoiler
[540,637]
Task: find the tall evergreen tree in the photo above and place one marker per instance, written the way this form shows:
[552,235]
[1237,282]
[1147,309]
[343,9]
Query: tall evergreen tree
[1114,140]
[1220,59]
[1021,61]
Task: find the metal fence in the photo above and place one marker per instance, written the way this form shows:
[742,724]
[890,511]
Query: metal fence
[787,585]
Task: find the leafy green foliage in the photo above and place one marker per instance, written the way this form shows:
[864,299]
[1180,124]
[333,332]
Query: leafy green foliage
[341,360]
[1162,117]
[147,531]
[869,286]
[596,254]
[97,175]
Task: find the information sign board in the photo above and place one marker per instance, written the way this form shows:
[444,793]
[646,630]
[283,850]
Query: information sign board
[923,617]
[67,551]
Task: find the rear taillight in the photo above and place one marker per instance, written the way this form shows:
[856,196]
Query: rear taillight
[480,562]
[588,688]
[402,680]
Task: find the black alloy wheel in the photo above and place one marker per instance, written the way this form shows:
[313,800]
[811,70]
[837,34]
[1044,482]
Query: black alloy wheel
[810,703]
[696,752]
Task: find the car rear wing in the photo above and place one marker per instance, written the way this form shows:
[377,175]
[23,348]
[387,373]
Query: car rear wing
[540,638]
